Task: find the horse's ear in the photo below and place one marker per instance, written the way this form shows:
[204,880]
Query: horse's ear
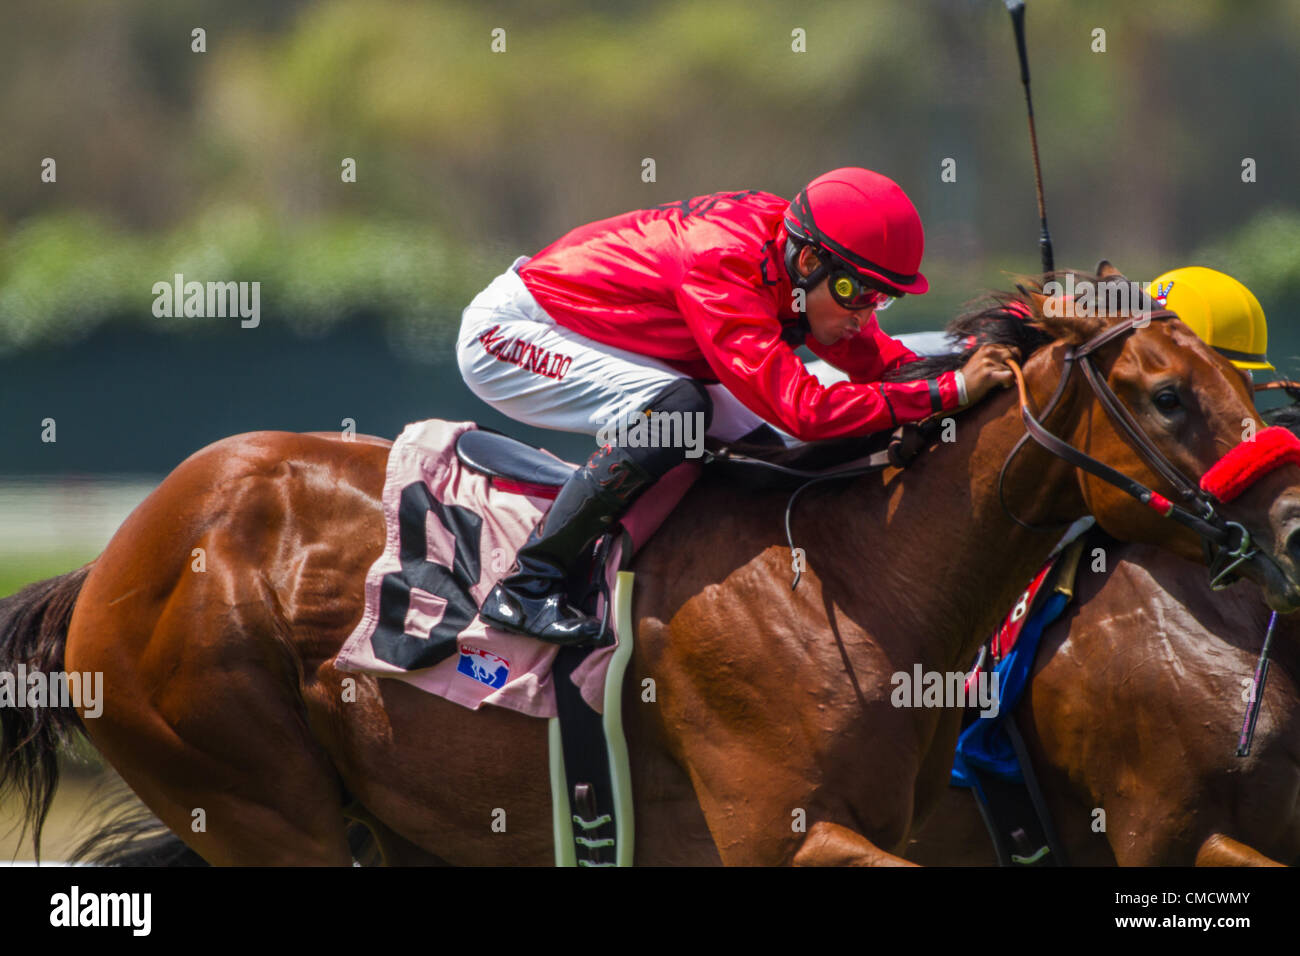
[1105,270]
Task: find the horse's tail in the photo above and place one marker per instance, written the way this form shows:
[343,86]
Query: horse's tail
[33,633]
[135,837]
[132,836]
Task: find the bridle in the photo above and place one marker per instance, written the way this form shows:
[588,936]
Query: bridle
[1227,543]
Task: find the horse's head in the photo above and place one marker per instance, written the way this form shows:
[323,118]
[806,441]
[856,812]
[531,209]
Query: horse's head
[1181,409]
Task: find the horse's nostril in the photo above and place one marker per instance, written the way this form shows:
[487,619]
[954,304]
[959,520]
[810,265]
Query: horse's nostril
[1293,544]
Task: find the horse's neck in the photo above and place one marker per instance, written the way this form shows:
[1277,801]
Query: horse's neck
[942,556]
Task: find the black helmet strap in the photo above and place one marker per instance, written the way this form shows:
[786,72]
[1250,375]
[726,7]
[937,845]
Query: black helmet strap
[794,334]
[792,248]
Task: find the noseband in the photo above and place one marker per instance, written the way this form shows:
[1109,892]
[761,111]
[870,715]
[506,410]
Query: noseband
[1227,543]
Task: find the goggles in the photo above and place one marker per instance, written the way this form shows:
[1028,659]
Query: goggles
[855,293]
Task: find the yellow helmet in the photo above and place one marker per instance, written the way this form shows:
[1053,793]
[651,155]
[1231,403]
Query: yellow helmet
[1218,308]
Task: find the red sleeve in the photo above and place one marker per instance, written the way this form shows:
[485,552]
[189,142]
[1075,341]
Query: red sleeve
[736,328]
[867,356]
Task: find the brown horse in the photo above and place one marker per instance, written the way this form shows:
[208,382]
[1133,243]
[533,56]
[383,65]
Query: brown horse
[1135,708]
[770,736]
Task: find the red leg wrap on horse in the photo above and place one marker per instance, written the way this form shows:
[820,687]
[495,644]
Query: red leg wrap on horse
[1248,462]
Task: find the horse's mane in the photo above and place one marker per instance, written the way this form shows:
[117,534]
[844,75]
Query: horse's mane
[1003,318]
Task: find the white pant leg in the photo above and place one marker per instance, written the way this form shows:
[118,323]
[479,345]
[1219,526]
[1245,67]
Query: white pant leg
[732,418]
[590,384]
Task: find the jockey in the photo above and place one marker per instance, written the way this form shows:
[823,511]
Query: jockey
[1219,309]
[694,309]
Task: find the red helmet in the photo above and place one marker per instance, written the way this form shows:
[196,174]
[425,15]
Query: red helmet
[865,221]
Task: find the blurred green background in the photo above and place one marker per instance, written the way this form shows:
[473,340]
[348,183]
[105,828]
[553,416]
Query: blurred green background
[225,165]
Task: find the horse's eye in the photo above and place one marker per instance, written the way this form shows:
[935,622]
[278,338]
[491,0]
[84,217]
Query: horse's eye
[1167,400]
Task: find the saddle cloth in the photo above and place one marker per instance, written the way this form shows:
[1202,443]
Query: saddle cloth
[451,533]
[1011,651]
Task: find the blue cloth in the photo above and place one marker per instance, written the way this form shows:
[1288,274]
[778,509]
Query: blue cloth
[985,743]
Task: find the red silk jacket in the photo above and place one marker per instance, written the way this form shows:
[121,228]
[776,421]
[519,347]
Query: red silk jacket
[701,286]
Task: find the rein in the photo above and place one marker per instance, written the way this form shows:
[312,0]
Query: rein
[907,442]
[1281,384]
[1247,736]
[1215,532]
[1227,543]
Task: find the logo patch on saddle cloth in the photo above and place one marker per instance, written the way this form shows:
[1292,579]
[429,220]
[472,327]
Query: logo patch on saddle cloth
[1009,632]
[483,666]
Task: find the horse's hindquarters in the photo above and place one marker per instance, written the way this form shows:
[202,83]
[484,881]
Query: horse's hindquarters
[188,616]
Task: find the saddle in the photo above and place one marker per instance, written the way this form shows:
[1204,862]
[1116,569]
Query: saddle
[590,785]
[509,460]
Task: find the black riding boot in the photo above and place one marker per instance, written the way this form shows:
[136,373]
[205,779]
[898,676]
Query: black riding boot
[532,599]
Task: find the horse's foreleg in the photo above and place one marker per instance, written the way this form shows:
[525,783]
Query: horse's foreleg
[829,844]
[1220,850]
